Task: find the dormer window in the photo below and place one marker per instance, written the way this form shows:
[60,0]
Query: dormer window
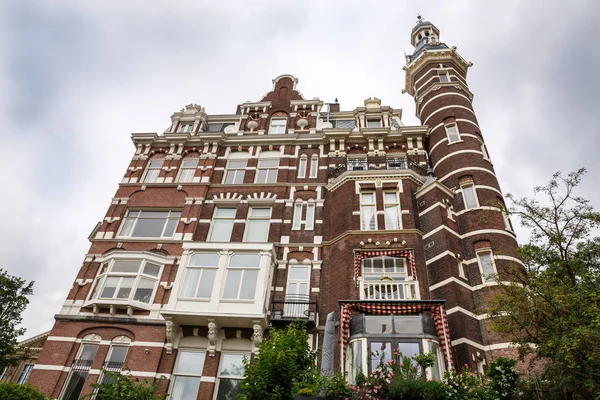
[277,126]
[185,127]
[374,123]
[444,77]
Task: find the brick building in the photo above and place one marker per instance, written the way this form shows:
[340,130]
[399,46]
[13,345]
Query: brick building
[290,208]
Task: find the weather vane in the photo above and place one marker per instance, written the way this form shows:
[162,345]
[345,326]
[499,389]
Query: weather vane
[419,17]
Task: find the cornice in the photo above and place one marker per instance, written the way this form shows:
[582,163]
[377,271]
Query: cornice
[374,175]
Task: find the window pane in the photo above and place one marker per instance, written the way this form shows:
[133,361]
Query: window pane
[228,389]
[392,217]
[373,123]
[190,283]
[186,175]
[378,324]
[297,215]
[238,164]
[144,290]
[368,217]
[409,349]
[110,286]
[190,363]
[223,212]
[125,289]
[207,281]
[148,227]
[310,216]
[268,163]
[205,259]
[299,273]
[244,261]
[257,230]
[260,212]
[302,167]
[486,265]
[368,198]
[231,365]
[221,231]
[170,228]
[127,225]
[190,163]
[129,266]
[249,284]
[117,355]
[96,287]
[390,198]
[75,384]
[314,167]
[151,269]
[434,349]
[469,196]
[88,352]
[185,388]
[452,132]
[378,351]
[232,283]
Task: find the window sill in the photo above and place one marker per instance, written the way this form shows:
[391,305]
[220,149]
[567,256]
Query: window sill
[242,301]
[195,299]
[458,141]
[114,305]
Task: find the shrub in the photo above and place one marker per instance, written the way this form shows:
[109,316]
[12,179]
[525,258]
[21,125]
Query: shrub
[333,386]
[417,389]
[14,391]
[117,386]
[504,377]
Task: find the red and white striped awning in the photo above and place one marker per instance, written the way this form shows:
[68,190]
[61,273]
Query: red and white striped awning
[359,255]
[398,308]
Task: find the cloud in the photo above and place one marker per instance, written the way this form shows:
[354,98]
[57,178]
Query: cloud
[78,77]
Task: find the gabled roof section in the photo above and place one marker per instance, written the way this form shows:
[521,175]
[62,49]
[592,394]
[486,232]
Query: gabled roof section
[284,88]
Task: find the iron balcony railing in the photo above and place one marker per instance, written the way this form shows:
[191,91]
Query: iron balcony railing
[343,164]
[110,366]
[294,307]
[77,377]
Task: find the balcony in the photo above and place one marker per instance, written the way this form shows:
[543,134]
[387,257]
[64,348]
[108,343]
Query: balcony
[292,308]
[389,290]
[343,164]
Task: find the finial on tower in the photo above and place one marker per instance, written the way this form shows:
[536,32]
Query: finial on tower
[419,17]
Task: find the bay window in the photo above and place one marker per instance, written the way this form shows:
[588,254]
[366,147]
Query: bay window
[149,224]
[242,274]
[222,224]
[187,375]
[257,227]
[368,219]
[126,280]
[200,275]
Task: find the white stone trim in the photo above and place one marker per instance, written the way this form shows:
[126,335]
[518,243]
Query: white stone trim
[440,256]
[454,153]
[456,171]
[432,207]
[421,108]
[446,107]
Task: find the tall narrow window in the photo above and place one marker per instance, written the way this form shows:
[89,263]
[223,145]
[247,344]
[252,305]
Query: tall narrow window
[309,224]
[242,274]
[302,166]
[452,133]
[484,151]
[230,376]
[367,212]
[187,170]
[314,166]
[200,275]
[153,170]
[486,265]
[187,375]
[149,224]
[392,210]
[297,292]
[25,374]
[79,372]
[461,268]
[507,224]
[266,171]
[114,362]
[234,173]
[469,196]
[259,221]
[297,216]
[222,224]
[277,126]
[444,77]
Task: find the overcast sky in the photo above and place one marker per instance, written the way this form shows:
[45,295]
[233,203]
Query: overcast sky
[77,77]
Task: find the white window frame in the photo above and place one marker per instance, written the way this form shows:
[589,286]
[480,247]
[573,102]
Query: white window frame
[507,222]
[371,275]
[106,360]
[486,277]
[244,270]
[176,374]
[235,172]
[230,377]
[216,218]
[366,205]
[486,155]
[105,272]
[148,176]
[302,164]
[467,187]
[451,131]
[189,267]
[184,171]
[445,74]
[277,129]
[269,171]
[24,376]
[309,221]
[314,166]
[396,205]
[297,216]
[185,127]
[70,375]
[461,268]
[258,218]
[171,215]
[374,120]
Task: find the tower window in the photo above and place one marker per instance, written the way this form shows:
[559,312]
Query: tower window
[469,196]
[444,77]
[452,133]
[486,265]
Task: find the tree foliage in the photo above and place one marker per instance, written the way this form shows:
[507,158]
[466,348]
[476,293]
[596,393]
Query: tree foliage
[552,311]
[119,386]
[15,391]
[283,359]
[13,301]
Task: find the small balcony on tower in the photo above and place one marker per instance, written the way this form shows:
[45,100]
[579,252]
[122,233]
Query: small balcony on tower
[294,307]
[386,278]
[339,165]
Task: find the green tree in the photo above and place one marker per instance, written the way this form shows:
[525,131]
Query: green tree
[14,391]
[283,360]
[117,386]
[552,310]
[13,301]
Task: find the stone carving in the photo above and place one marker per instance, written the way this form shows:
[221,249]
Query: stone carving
[213,331]
[257,337]
[171,334]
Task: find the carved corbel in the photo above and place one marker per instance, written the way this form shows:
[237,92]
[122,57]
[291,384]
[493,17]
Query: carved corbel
[257,337]
[213,332]
[171,330]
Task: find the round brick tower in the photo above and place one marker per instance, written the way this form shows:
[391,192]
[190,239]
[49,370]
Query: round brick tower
[473,244]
